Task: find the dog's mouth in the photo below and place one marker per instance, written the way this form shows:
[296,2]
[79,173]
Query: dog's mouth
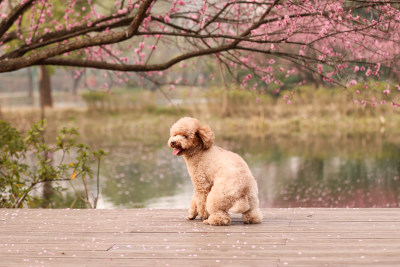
[177,151]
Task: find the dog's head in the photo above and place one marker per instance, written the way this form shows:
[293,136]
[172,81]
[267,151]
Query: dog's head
[188,136]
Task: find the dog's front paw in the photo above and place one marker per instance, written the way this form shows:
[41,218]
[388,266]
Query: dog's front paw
[191,217]
[204,215]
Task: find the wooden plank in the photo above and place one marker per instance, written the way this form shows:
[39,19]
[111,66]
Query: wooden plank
[155,226]
[216,253]
[326,214]
[81,246]
[109,262]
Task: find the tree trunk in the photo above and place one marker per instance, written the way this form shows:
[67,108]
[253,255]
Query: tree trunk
[75,84]
[47,186]
[46,98]
[225,100]
[47,194]
[30,86]
[225,103]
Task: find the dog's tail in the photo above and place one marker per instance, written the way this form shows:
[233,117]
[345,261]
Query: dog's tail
[241,205]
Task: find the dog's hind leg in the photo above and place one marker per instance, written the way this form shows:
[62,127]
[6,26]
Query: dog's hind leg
[217,206]
[254,214]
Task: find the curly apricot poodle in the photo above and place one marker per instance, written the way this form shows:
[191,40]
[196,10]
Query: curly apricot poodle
[221,179]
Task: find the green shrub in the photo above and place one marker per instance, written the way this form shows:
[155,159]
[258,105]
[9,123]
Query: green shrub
[26,162]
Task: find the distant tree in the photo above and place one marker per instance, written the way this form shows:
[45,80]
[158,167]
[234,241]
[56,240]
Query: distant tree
[328,38]
[30,86]
[46,98]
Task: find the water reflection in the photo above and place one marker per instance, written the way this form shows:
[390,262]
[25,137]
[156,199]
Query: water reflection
[336,182]
[320,172]
[139,176]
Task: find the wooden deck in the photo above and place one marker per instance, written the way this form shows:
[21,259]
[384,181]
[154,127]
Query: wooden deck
[143,237]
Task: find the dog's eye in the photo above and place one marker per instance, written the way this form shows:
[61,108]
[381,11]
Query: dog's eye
[185,137]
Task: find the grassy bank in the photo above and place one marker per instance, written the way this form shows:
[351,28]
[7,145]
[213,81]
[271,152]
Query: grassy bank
[146,116]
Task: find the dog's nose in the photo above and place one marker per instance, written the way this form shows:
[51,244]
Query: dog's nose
[173,143]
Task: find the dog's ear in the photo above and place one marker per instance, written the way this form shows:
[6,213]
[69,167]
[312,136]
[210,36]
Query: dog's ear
[206,136]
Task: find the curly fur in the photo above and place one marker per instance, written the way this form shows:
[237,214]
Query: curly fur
[221,179]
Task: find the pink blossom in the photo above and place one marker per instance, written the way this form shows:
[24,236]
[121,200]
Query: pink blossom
[377,67]
[123,11]
[271,61]
[320,68]
[357,92]
[386,91]
[356,102]
[368,72]
[356,68]
[167,19]
[330,74]
[383,102]
[352,82]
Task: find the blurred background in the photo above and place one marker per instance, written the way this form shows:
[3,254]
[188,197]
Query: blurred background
[318,150]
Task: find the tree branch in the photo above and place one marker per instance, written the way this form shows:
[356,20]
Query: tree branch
[31,186]
[131,68]
[13,16]
[140,15]
[22,62]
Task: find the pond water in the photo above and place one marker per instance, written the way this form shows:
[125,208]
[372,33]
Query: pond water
[350,171]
